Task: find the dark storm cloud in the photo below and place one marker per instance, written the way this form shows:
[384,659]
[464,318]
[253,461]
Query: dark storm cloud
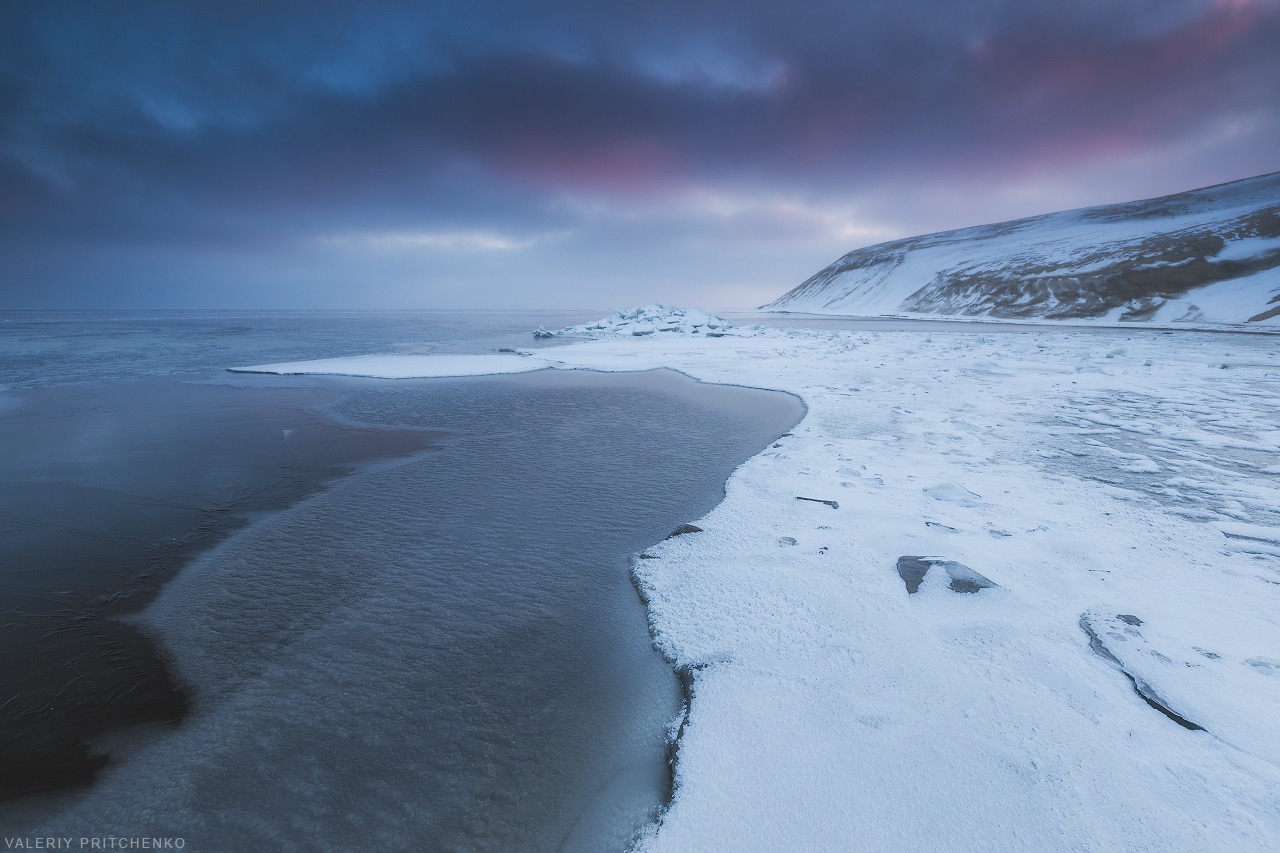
[246,124]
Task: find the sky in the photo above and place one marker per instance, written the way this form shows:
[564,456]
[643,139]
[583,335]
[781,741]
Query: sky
[584,154]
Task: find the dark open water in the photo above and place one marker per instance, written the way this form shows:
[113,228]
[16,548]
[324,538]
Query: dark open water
[327,613]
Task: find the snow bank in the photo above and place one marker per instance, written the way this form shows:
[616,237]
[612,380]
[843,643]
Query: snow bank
[1092,479]
[405,366]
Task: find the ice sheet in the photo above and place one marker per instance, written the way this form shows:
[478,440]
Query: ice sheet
[405,366]
[444,652]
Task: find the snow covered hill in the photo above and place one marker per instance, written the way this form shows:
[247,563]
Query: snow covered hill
[1204,257]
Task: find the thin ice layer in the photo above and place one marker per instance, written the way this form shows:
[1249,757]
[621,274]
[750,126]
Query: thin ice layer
[404,366]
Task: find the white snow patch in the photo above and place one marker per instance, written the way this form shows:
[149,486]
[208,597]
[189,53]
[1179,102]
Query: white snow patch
[1233,301]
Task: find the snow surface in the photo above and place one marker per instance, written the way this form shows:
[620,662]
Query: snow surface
[405,366]
[1121,493]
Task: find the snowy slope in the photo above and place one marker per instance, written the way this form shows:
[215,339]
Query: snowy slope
[1207,256]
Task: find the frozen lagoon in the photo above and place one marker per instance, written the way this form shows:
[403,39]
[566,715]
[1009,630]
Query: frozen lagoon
[439,652]
[1120,490]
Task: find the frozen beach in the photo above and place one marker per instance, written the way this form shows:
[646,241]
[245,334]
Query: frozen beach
[1091,658]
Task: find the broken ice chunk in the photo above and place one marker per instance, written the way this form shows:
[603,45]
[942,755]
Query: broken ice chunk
[963,579]
[954,493]
[1095,626]
[912,571]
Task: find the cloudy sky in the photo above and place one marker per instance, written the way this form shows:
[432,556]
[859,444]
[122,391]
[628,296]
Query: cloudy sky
[584,154]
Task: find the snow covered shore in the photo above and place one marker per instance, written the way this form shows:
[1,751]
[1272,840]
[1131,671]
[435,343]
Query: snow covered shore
[1122,493]
[1091,476]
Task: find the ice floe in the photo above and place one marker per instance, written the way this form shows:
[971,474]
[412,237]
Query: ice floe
[405,366]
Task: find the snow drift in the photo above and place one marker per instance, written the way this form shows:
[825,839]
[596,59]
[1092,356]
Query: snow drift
[1208,256]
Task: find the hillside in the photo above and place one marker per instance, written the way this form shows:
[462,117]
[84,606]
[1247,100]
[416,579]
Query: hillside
[1208,256]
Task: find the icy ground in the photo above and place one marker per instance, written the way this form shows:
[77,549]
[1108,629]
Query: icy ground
[1091,660]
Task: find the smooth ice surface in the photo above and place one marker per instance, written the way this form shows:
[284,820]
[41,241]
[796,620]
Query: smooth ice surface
[404,366]
[441,653]
[1083,472]
[106,489]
